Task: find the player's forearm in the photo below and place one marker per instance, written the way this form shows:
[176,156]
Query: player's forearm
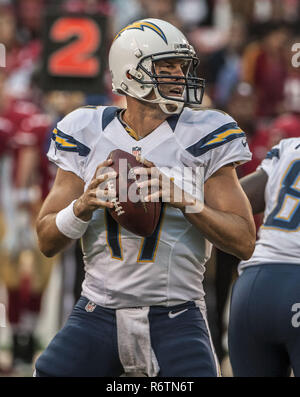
[51,240]
[227,231]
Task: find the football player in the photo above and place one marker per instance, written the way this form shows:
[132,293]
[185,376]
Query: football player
[264,321]
[142,309]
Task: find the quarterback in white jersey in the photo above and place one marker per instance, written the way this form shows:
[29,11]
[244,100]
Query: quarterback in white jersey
[132,281]
[266,296]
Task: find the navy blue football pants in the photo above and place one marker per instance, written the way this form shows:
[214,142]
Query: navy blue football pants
[264,324]
[87,344]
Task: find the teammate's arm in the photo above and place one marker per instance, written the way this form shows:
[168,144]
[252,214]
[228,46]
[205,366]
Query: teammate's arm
[67,188]
[254,186]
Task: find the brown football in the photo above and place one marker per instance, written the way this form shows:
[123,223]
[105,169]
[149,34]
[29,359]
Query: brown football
[130,211]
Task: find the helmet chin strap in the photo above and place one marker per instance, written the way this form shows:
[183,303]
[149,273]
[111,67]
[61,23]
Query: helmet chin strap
[163,103]
[177,110]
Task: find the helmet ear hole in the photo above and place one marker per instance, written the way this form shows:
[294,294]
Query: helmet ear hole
[128,75]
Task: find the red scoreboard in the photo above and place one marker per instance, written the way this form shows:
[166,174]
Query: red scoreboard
[75,53]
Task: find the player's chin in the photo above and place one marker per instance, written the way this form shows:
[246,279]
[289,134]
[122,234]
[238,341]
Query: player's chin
[171,108]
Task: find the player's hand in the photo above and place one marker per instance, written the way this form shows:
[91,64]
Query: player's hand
[159,186]
[96,196]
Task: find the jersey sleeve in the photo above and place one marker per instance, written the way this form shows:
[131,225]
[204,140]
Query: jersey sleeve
[271,159]
[234,152]
[69,148]
[224,143]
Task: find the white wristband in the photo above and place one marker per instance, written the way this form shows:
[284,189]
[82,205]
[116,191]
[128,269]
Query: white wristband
[68,223]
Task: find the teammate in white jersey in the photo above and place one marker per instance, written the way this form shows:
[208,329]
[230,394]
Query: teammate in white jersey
[264,337]
[142,308]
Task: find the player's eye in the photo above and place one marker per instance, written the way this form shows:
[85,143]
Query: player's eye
[166,72]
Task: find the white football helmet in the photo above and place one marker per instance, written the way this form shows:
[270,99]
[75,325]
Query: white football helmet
[132,59]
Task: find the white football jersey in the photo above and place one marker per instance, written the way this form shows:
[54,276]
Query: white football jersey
[123,269]
[279,235]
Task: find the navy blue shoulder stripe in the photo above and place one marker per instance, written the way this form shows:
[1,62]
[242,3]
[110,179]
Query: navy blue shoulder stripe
[108,115]
[224,134]
[273,153]
[68,143]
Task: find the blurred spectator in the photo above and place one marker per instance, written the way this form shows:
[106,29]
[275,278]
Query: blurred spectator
[20,58]
[6,127]
[285,126]
[30,14]
[224,66]
[222,15]
[7,27]
[264,11]
[244,9]
[125,12]
[276,10]
[291,101]
[270,73]
[194,13]
[102,7]
[161,10]
[241,107]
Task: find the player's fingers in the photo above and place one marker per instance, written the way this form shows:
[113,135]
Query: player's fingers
[101,166]
[102,194]
[142,171]
[154,172]
[144,161]
[149,182]
[98,192]
[97,203]
[101,178]
[154,196]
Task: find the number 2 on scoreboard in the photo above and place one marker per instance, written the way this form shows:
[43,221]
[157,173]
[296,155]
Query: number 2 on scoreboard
[76,58]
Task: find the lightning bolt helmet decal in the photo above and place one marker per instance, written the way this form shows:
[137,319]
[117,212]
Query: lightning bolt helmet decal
[141,25]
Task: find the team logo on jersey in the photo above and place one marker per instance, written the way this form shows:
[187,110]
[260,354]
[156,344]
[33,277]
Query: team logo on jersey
[90,307]
[65,142]
[141,26]
[220,136]
[68,143]
[136,151]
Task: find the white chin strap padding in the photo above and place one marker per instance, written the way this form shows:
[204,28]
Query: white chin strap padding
[177,110]
[163,104]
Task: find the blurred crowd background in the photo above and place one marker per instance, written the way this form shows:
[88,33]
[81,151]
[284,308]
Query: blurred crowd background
[246,52]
